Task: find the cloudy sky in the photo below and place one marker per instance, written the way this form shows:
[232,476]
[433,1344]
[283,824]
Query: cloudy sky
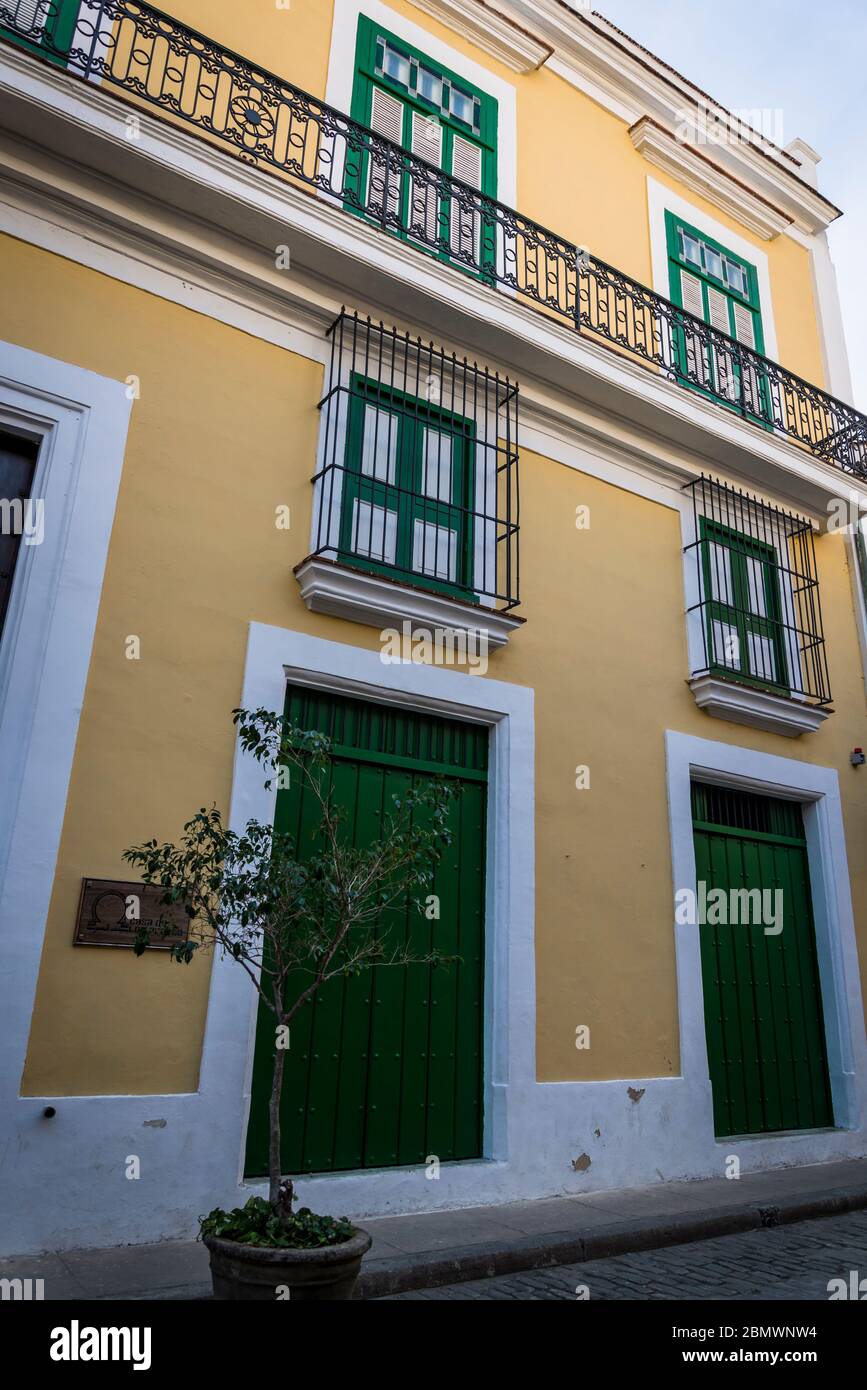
[806,63]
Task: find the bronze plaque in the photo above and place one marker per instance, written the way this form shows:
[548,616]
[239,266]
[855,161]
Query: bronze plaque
[112,914]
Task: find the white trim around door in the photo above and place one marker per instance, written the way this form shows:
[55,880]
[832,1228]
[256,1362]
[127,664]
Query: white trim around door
[817,788]
[79,421]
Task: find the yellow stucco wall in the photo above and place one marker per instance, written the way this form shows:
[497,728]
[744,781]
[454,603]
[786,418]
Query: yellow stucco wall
[578,171]
[224,431]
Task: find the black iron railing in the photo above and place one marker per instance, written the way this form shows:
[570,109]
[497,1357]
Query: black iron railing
[157,61]
[417,476]
[753,605]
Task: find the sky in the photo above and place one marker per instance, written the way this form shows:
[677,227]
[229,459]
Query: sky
[805,65]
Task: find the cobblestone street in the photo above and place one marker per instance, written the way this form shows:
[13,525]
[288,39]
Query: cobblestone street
[785,1263]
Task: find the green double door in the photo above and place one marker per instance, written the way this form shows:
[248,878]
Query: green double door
[385,1068]
[762,994]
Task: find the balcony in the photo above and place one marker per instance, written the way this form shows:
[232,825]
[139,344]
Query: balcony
[153,61]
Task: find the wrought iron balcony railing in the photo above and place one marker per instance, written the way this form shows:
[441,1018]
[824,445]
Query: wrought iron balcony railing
[417,475]
[155,60]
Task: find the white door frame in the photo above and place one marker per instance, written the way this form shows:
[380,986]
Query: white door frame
[817,788]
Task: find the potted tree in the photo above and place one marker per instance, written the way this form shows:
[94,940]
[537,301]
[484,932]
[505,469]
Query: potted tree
[293,917]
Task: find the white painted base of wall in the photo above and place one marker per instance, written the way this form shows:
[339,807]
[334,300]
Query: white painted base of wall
[65,1187]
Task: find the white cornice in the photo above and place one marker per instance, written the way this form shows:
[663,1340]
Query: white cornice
[633,83]
[702,176]
[491,31]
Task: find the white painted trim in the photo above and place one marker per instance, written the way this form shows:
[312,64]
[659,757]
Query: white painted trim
[343,592]
[859,605]
[698,172]
[81,420]
[661,200]
[490,30]
[741,704]
[630,82]
[341,74]
[818,789]
[826,292]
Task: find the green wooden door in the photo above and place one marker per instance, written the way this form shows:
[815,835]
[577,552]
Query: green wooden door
[385,1068]
[762,997]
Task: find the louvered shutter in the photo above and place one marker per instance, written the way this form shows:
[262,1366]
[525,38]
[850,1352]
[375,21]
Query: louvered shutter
[465,215]
[427,144]
[386,119]
[32,14]
[726,375]
[696,351]
[745,332]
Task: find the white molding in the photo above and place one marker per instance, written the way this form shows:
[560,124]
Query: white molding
[818,789]
[341,74]
[703,176]
[741,704]
[630,82]
[661,200]
[81,420]
[343,592]
[826,294]
[491,31]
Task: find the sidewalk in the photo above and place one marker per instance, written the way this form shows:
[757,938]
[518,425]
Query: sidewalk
[412,1252]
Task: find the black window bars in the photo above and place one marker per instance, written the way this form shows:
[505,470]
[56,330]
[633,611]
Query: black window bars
[417,474]
[155,60]
[753,606]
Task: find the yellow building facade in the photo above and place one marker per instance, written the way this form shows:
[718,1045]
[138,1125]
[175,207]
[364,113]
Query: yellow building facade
[276,350]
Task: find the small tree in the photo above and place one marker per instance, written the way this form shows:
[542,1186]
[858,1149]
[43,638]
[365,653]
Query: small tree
[285,916]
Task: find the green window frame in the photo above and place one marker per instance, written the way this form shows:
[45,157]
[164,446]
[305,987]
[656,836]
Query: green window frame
[408,489]
[432,112]
[721,288]
[742,599]
[58,30]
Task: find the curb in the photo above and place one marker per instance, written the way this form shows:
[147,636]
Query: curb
[405,1273]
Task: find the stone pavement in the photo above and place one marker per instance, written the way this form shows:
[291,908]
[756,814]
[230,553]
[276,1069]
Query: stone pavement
[782,1263]
[443,1248]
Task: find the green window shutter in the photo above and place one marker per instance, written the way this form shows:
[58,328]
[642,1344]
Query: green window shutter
[741,577]
[435,115]
[408,489]
[722,289]
[50,22]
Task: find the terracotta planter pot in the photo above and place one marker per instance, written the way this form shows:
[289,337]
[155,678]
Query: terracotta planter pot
[249,1272]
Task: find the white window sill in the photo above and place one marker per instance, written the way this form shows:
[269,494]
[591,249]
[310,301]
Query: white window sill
[741,704]
[343,592]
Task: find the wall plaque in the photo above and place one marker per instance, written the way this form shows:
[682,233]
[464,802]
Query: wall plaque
[112,914]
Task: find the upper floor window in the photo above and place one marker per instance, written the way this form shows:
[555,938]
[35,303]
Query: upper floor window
[722,289]
[436,116]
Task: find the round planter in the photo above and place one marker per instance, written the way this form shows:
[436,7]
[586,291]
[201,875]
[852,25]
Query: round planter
[249,1272]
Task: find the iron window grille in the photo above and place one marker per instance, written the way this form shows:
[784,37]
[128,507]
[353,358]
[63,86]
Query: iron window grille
[753,605]
[154,60]
[417,474]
